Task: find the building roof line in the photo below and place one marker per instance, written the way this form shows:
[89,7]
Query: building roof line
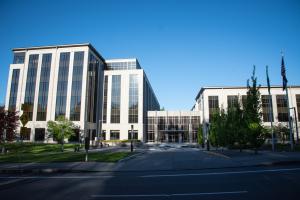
[61,46]
[238,87]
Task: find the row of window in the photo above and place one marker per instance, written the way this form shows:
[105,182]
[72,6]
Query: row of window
[116,99]
[122,65]
[115,135]
[40,134]
[62,85]
[281,103]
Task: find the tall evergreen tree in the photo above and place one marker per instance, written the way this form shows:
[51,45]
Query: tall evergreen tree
[252,114]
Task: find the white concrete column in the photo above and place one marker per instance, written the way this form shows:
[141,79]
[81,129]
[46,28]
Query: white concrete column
[156,133]
[190,133]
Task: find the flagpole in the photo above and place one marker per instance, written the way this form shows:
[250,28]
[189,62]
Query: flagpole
[270,110]
[285,87]
[290,124]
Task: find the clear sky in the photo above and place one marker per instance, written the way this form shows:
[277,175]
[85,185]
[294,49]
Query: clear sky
[182,45]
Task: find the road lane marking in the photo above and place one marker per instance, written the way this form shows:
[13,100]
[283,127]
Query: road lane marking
[217,154]
[220,173]
[54,177]
[165,195]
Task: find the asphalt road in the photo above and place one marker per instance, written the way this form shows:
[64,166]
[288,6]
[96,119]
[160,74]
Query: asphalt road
[280,182]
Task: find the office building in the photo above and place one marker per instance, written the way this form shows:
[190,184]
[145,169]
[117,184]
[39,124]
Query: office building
[76,82]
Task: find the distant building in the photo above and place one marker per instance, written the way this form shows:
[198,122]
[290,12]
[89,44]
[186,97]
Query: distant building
[209,99]
[173,126]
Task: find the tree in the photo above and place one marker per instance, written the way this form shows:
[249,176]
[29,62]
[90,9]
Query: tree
[9,121]
[252,114]
[61,129]
[200,136]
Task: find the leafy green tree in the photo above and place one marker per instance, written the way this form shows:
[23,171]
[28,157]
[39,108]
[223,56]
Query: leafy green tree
[61,129]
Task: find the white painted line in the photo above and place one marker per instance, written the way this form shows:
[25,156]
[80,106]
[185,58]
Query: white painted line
[54,177]
[221,173]
[165,195]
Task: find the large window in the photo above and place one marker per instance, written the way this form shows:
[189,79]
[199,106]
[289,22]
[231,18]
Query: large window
[44,88]
[104,118]
[133,99]
[92,88]
[114,135]
[76,86]
[298,105]
[213,105]
[30,85]
[39,134]
[232,101]
[282,108]
[19,58]
[14,89]
[115,99]
[62,84]
[123,65]
[103,135]
[266,110]
[134,134]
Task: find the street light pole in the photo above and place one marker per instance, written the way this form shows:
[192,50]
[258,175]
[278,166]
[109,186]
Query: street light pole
[296,123]
[99,133]
[131,142]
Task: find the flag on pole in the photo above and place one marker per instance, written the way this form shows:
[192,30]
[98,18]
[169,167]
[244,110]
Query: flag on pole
[268,80]
[284,79]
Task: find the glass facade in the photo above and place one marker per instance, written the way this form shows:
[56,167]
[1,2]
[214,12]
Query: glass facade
[19,58]
[115,135]
[133,99]
[30,84]
[298,105]
[14,89]
[104,118]
[62,84]
[44,87]
[213,105]
[232,101]
[76,86]
[92,92]
[125,65]
[266,103]
[176,128]
[115,99]
[282,109]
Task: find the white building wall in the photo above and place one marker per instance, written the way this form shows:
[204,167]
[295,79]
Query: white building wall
[124,126]
[222,93]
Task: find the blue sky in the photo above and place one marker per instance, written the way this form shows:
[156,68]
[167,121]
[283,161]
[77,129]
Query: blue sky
[182,45]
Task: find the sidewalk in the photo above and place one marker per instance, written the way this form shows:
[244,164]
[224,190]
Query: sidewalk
[142,161]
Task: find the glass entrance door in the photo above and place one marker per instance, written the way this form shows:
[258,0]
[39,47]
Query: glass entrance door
[173,138]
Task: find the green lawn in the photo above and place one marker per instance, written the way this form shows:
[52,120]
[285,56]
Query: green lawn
[42,153]
[63,157]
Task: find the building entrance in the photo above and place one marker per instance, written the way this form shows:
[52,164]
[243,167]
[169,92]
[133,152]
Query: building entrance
[173,138]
